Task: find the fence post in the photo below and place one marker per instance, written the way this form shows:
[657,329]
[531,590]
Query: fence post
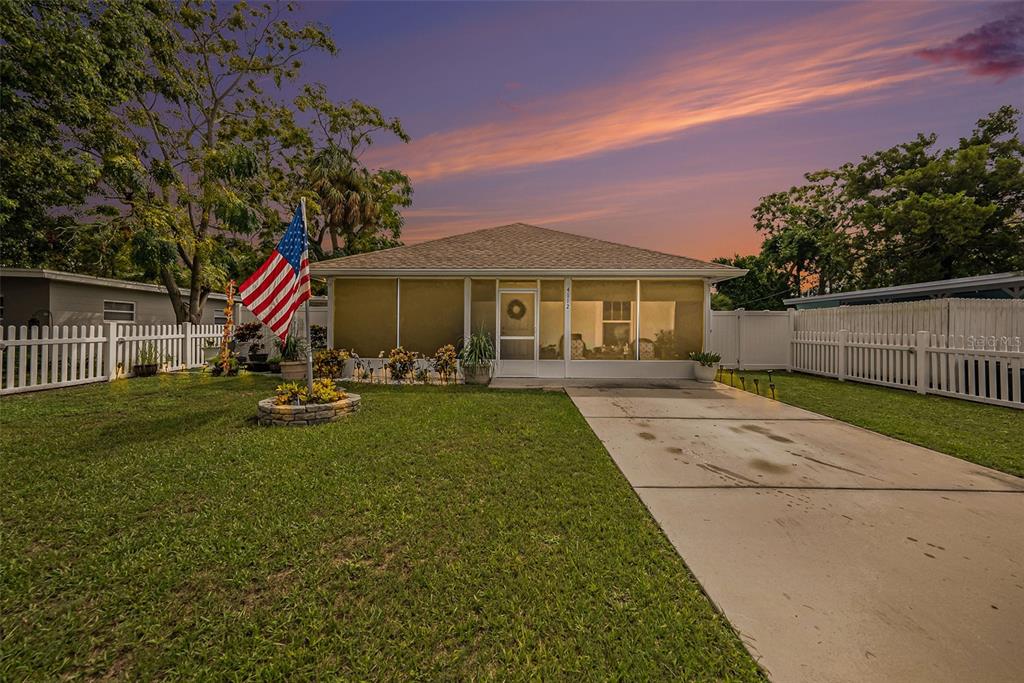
[186,340]
[111,351]
[921,356]
[844,338]
[792,335]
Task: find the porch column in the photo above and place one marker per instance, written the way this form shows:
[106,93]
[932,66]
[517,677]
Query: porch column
[330,312]
[567,325]
[467,304]
[707,316]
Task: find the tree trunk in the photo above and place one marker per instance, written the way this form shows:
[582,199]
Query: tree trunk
[167,277]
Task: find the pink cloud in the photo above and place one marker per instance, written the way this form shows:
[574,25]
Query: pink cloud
[993,49]
[853,51]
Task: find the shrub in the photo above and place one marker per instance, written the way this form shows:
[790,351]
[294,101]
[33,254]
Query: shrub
[705,358]
[291,392]
[422,375]
[217,366]
[445,361]
[326,391]
[330,362]
[318,336]
[400,363]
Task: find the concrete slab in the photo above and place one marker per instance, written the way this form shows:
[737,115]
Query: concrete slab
[860,585]
[838,553]
[820,453]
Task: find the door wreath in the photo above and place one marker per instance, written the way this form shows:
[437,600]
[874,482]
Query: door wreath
[516,309]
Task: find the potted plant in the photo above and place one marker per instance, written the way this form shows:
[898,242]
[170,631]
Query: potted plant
[476,355]
[147,360]
[248,342]
[705,368]
[293,358]
[274,363]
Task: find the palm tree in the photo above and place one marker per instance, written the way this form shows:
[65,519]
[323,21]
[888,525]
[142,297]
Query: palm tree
[346,197]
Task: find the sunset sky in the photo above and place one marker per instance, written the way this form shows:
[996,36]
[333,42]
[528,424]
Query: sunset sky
[656,124]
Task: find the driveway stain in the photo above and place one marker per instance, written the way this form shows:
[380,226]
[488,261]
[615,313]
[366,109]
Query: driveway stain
[769,467]
[763,431]
[646,436]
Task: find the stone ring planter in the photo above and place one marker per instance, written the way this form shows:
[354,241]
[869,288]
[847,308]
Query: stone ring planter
[272,413]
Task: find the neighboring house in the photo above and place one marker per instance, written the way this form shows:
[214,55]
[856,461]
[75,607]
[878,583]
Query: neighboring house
[49,297]
[557,304]
[995,286]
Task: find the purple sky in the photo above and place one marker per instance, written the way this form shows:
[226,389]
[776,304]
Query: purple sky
[656,124]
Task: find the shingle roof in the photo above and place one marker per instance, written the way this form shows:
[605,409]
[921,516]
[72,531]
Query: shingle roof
[517,247]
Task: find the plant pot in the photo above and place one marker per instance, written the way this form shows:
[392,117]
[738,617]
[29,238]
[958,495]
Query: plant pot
[704,373]
[293,369]
[147,370]
[211,353]
[258,357]
[477,374]
[274,367]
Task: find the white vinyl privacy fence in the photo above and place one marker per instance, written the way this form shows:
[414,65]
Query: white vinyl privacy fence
[751,340]
[46,357]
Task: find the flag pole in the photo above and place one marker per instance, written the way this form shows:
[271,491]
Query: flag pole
[309,336]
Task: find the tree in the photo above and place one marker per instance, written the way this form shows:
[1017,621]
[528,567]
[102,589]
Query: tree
[932,215]
[762,288]
[906,214]
[211,150]
[64,69]
[353,208]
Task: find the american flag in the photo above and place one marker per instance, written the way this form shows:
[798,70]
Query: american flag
[281,284]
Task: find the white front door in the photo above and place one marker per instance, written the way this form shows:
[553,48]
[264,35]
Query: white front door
[517,333]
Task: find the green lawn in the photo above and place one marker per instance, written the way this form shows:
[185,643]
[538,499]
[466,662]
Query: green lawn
[150,529]
[984,434]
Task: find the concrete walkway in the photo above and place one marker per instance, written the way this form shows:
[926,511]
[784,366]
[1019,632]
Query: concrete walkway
[837,553]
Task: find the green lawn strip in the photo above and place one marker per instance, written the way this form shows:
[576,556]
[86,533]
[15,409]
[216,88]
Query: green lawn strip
[150,529]
[983,434]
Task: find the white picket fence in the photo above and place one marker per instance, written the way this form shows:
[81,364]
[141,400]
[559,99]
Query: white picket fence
[984,369]
[45,357]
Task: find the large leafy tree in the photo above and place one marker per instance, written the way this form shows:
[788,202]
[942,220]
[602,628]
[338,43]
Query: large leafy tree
[64,70]
[925,214]
[910,213]
[211,145]
[153,140]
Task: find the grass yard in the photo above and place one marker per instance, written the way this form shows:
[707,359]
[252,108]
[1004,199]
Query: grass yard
[987,435]
[151,530]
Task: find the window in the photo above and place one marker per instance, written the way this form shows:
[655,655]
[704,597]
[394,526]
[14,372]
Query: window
[603,320]
[365,315]
[671,319]
[220,319]
[481,311]
[552,319]
[431,313]
[119,311]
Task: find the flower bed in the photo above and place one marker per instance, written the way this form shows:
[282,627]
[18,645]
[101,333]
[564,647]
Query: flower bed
[273,413]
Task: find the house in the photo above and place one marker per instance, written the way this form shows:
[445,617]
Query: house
[49,297]
[994,286]
[556,304]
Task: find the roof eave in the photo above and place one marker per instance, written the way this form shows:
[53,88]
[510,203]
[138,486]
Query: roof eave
[714,274]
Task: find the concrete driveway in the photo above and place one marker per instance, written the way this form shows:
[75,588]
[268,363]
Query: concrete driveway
[837,553]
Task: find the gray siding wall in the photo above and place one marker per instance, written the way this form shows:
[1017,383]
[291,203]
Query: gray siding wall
[71,303]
